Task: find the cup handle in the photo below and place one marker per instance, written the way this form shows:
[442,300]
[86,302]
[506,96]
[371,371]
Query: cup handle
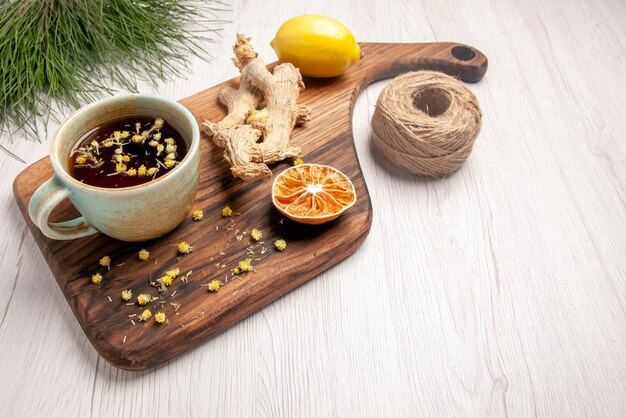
[43,201]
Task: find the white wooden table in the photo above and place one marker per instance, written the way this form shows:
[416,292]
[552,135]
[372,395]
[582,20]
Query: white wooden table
[500,291]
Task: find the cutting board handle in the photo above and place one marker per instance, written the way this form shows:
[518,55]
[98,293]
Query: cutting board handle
[386,60]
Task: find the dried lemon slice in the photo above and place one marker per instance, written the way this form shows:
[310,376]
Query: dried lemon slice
[312,193]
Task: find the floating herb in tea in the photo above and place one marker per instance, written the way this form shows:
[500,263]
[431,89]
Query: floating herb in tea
[127,152]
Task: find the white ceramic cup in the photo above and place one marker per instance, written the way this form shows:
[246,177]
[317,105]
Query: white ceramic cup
[137,213]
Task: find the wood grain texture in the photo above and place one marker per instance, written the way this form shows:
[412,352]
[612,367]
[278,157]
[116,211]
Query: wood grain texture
[326,139]
[499,291]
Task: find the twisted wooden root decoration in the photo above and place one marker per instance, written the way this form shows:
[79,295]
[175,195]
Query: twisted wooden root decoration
[248,158]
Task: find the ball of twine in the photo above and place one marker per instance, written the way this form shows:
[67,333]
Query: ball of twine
[426,123]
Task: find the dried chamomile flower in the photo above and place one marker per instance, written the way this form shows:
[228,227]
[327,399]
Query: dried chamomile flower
[258,117]
[160,318]
[214,286]
[227,211]
[184,248]
[136,138]
[132,172]
[125,134]
[256,234]
[145,315]
[298,161]
[120,167]
[160,149]
[107,143]
[127,295]
[197,215]
[171,149]
[125,158]
[80,160]
[105,262]
[96,278]
[143,254]
[144,299]
[141,171]
[117,134]
[166,280]
[280,244]
[169,163]
[173,273]
[157,136]
[244,265]
[152,171]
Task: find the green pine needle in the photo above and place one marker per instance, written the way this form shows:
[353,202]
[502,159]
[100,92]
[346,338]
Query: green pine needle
[62,51]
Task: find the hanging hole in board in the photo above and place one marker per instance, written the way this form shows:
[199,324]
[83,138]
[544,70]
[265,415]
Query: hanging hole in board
[463,53]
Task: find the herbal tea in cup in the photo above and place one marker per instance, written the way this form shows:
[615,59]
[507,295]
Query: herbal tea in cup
[129,164]
[127,152]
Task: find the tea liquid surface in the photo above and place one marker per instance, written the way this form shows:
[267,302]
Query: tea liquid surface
[127,152]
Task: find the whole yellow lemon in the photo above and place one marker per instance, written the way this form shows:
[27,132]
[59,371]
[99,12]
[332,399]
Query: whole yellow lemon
[318,45]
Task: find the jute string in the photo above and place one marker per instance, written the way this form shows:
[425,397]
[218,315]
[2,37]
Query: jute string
[426,123]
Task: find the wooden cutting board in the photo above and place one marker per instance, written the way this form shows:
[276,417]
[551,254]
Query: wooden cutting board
[221,242]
